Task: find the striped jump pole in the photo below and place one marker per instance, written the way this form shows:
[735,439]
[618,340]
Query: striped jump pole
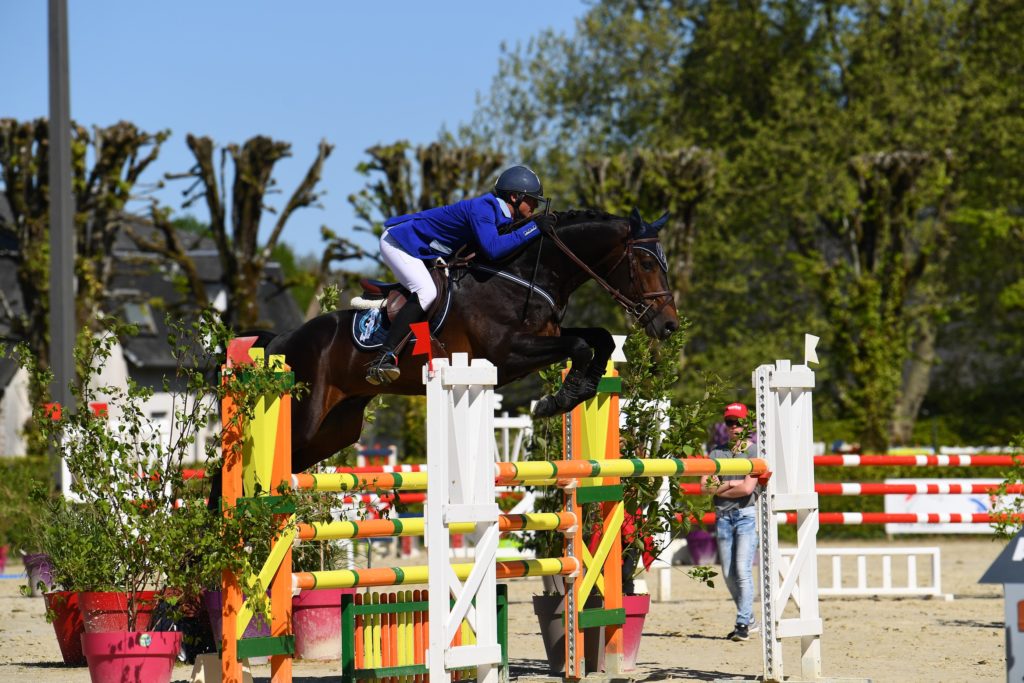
[918,460]
[420,574]
[880,489]
[415,526]
[863,518]
[534,472]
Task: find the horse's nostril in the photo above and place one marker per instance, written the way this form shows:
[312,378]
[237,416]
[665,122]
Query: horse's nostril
[670,327]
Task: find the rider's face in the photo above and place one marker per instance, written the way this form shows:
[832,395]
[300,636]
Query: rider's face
[526,206]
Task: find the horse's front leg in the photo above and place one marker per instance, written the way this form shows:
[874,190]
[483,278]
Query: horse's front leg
[603,345]
[544,350]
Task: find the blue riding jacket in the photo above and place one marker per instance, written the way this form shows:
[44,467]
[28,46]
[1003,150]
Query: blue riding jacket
[441,231]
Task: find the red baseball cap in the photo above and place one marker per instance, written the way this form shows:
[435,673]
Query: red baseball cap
[736,410]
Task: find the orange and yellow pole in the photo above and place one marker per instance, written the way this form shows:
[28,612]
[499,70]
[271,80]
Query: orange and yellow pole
[231,490]
[281,586]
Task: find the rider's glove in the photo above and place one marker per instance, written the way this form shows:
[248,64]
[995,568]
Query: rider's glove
[545,222]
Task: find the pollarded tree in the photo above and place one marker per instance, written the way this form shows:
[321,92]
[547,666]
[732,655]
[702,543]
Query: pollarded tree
[118,155]
[243,255]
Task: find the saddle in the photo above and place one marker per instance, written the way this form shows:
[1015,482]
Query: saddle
[391,296]
[384,300]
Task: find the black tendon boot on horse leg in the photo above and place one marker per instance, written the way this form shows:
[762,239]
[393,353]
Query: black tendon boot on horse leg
[384,369]
[603,343]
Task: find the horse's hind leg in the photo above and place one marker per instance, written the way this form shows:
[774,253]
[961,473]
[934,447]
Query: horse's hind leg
[339,429]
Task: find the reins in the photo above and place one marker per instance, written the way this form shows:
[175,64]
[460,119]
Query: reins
[637,309]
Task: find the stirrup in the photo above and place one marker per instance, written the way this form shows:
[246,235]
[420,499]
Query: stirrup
[383,370]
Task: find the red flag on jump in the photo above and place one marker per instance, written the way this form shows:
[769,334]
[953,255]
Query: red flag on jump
[422,347]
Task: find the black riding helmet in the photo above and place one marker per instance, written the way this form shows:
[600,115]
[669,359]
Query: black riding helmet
[519,180]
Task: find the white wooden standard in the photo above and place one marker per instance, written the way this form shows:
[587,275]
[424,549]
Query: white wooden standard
[877,564]
[785,435]
[460,488]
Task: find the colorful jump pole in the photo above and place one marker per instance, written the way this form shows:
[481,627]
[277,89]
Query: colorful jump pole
[917,460]
[257,458]
[592,452]
[856,488]
[420,574]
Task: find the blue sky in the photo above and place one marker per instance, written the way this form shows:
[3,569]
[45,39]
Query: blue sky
[355,73]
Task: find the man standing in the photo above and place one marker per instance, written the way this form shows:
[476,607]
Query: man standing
[736,521]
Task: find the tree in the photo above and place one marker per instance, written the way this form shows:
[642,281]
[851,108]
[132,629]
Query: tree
[106,166]
[861,150]
[243,256]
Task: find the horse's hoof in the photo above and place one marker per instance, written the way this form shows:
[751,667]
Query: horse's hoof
[547,407]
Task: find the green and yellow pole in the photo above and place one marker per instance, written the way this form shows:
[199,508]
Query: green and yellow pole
[388,528]
[416,575]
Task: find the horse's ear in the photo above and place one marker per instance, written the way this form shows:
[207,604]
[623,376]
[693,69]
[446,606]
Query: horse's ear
[636,223]
[660,223]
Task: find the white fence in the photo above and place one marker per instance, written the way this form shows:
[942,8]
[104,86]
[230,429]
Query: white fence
[873,572]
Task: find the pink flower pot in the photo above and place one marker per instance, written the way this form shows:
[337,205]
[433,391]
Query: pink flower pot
[136,657]
[316,618]
[637,607]
[108,612]
[67,625]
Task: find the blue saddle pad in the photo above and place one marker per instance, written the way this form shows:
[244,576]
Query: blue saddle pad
[370,327]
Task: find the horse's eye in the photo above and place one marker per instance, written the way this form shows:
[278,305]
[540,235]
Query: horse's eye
[648,265]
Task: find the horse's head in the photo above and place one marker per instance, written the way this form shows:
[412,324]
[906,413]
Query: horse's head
[644,278]
[626,258]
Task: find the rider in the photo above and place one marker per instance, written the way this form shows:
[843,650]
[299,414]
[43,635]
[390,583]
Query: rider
[410,240]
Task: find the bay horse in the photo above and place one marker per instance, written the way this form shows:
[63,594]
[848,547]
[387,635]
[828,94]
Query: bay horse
[508,312]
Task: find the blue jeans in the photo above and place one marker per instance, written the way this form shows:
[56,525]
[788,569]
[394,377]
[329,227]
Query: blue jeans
[736,532]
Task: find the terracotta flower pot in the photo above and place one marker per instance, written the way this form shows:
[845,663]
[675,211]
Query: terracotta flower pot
[637,607]
[67,625]
[316,618]
[136,657]
[107,612]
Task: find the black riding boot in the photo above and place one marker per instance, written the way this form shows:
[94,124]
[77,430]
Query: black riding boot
[384,369]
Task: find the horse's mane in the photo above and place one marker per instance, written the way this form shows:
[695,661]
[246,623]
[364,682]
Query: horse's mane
[562,219]
[573,216]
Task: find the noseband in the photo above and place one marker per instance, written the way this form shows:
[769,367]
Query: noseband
[643,311]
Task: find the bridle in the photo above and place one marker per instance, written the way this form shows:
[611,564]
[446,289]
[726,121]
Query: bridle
[642,311]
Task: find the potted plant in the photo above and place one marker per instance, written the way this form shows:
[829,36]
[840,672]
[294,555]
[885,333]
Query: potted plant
[19,512]
[545,443]
[132,533]
[654,425]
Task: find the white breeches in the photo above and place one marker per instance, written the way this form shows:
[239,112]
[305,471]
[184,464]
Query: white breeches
[410,271]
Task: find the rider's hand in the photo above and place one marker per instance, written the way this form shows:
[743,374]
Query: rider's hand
[545,222]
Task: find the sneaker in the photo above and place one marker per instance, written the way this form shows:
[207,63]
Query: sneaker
[383,370]
[740,633]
